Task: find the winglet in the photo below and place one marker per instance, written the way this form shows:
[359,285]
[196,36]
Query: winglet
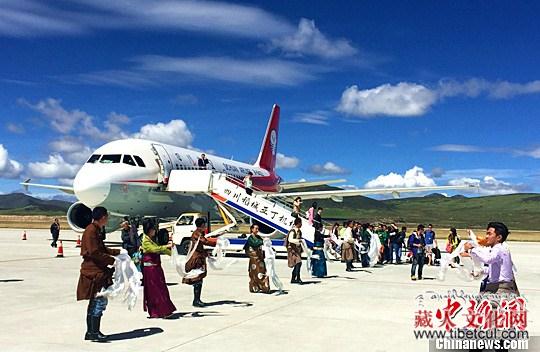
[25,184]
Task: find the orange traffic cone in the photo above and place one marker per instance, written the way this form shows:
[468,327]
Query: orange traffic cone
[60,253]
[23,236]
[78,244]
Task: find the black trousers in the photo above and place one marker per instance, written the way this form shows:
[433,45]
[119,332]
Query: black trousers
[296,271]
[55,238]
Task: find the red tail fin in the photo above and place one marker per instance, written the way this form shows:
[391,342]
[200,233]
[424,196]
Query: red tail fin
[267,156]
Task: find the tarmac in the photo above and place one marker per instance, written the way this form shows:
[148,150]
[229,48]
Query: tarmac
[370,309]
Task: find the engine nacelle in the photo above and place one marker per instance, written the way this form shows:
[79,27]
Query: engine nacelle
[79,216]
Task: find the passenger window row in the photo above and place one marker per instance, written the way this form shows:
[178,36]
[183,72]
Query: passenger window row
[134,160]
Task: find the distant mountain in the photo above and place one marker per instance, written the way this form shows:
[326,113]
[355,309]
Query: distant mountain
[518,211]
[64,197]
[435,195]
[23,204]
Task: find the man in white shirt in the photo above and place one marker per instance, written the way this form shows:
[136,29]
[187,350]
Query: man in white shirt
[500,275]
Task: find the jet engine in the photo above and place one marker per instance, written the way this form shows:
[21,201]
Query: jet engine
[79,216]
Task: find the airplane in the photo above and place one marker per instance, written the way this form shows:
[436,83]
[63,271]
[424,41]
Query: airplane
[130,177]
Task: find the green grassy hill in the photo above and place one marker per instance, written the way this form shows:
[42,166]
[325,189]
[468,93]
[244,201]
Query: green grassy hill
[519,211]
[22,204]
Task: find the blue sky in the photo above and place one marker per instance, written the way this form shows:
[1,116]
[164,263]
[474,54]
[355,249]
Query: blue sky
[381,93]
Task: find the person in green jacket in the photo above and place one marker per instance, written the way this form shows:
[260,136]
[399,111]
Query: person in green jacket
[156,295]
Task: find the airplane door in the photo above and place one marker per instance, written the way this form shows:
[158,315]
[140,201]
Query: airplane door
[164,160]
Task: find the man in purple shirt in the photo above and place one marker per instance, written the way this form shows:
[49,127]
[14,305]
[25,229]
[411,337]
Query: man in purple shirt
[500,276]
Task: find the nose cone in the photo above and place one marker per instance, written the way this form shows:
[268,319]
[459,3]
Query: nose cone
[90,187]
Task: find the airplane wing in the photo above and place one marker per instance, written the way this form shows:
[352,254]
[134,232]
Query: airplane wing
[337,195]
[65,189]
[305,184]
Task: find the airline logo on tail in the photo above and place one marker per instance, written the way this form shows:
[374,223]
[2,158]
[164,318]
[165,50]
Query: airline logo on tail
[267,155]
[273,141]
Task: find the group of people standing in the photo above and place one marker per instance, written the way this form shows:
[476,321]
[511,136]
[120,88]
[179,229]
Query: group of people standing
[96,272]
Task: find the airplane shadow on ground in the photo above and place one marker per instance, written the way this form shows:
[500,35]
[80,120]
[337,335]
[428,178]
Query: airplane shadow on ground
[135,334]
[11,280]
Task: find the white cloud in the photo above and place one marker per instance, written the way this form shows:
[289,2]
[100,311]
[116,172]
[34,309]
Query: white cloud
[412,99]
[32,18]
[463,148]
[481,172]
[263,72]
[489,185]
[66,181]
[79,122]
[349,186]
[286,162]
[15,128]
[174,132]
[120,78]
[60,119]
[72,149]
[319,117]
[459,148]
[533,153]
[308,40]
[414,177]
[54,167]
[329,168]
[403,99]
[476,86]
[8,168]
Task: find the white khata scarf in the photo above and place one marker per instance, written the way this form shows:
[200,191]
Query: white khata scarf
[126,281]
[374,245]
[216,261]
[270,263]
[471,270]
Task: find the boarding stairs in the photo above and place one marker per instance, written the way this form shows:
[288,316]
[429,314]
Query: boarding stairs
[231,192]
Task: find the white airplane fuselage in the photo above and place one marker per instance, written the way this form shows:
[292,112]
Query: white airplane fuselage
[129,178]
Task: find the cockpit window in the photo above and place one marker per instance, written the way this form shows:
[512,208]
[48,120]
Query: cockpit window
[110,159]
[139,161]
[128,160]
[93,158]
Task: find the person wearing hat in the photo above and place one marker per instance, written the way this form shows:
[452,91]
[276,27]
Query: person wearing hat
[95,273]
[197,260]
